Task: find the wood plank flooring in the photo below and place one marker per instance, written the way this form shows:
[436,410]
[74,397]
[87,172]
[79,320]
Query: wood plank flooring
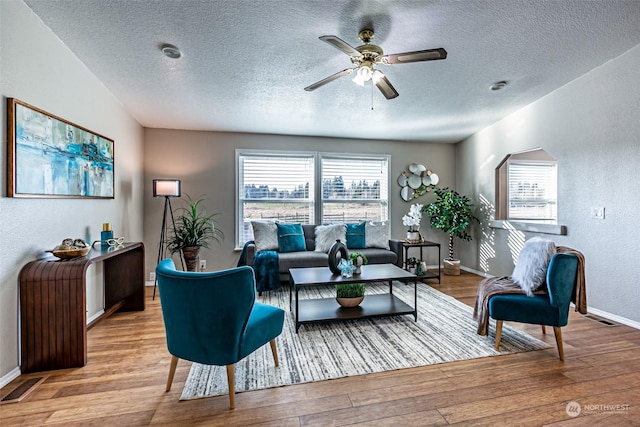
[123,384]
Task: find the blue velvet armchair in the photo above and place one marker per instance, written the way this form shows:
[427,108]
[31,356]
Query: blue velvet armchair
[214,319]
[551,309]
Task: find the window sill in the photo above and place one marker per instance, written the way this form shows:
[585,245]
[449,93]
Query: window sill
[530,226]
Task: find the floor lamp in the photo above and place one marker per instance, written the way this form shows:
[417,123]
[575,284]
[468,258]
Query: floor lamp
[166,188]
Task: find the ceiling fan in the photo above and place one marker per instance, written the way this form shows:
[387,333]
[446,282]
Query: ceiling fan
[365,56]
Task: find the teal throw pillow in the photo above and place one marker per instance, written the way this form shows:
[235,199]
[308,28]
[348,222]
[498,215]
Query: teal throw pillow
[290,238]
[356,236]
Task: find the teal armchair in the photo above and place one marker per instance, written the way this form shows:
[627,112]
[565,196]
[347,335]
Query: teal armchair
[551,309]
[214,319]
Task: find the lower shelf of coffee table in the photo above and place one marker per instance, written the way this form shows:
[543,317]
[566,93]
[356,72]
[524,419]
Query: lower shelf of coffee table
[328,309]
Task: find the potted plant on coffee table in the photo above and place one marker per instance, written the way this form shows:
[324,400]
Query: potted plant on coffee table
[359,259]
[350,294]
[193,229]
[453,214]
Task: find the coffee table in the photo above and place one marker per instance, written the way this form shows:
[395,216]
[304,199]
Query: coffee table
[328,309]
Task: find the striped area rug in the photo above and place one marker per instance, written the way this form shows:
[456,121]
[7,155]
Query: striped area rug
[445,332]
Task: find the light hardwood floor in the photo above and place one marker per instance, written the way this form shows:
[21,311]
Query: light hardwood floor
[123,384]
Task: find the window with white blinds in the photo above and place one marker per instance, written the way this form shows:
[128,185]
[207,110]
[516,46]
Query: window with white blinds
[532,191]
[309,188]
[274,186]
[354,188]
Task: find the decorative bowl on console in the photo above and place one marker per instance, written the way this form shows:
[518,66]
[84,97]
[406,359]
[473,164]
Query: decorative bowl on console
[71,248]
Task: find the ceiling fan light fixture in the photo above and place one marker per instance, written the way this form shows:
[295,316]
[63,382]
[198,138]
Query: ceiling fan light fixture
[377,76]
[363,74]
[366,56]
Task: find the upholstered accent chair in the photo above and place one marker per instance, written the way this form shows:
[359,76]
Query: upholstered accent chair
[213,318]
[550,309]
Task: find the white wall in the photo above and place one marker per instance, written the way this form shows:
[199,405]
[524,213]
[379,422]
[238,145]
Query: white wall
[591,127]
[204,161]
[37,68]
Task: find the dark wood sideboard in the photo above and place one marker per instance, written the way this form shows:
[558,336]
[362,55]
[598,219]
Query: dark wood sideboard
[53,303]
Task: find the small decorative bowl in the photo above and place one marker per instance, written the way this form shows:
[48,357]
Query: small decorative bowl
[71,253]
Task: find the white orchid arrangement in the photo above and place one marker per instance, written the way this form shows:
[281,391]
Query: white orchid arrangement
[413,218]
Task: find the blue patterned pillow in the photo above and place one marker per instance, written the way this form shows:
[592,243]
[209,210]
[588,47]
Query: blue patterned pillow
[356,236]
[291,238]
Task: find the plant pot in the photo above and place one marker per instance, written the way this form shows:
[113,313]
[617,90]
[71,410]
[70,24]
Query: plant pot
[358,263]
[350,302]
[413,236]
[191,256]
[451,267]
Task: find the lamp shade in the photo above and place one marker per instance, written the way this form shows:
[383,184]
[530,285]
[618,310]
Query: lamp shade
[166,188]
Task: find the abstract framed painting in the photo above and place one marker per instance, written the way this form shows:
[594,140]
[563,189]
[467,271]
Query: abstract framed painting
[51,157]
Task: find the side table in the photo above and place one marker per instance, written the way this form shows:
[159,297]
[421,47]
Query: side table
[425,244]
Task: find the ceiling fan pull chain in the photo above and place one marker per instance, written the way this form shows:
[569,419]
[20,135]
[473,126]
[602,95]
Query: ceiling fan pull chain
[371,96]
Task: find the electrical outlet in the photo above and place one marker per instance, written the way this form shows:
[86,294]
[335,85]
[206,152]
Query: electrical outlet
[203,264]
[152,276]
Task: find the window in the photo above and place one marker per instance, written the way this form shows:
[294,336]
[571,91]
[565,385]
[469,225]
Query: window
[354,188]
[273,186]
[310,188]
[532,191]
[526,187]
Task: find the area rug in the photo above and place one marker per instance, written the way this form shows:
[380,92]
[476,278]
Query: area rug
[445,332]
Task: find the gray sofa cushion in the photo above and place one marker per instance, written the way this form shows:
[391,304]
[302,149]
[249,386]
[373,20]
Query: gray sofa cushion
[378,256]
[302,259]
[309,231]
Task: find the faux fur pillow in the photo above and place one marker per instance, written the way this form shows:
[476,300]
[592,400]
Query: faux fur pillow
[265,234]
[377,235]
[326,236]
[531,269]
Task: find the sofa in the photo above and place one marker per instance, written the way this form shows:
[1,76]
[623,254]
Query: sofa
[317,242]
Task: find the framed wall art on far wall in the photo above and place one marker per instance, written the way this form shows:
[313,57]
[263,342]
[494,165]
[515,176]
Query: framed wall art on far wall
[52,157]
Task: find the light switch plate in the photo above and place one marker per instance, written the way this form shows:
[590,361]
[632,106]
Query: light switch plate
[597,212]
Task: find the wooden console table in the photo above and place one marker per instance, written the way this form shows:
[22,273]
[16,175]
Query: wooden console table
[53,303]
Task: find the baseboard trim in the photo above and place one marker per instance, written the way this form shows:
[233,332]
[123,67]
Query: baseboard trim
[94,317]
[614,317]
[12,375]
[591,310]
[479,273]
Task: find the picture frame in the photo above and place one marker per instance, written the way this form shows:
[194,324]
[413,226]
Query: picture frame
[50,157]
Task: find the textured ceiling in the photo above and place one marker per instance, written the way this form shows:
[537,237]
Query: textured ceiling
[246,62]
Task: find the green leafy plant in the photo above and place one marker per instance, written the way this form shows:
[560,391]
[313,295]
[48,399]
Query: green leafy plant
[193,228]
[451,213]
[350,290]
[353,256]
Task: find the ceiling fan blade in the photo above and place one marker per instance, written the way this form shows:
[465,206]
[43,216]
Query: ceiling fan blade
[329,79]
[386,88]
[341,44]
[415,56]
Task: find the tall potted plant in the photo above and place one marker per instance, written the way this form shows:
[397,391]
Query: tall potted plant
[453,214]
[194,229]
